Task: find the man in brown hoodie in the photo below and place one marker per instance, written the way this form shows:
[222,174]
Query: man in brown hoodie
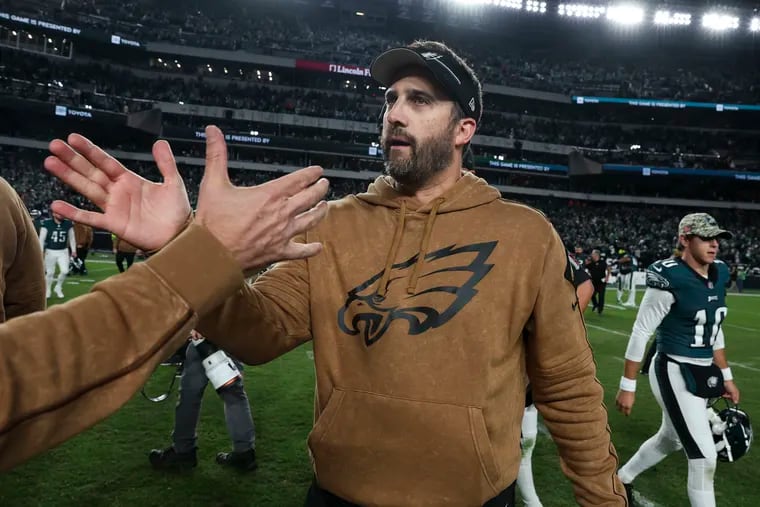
[431,301]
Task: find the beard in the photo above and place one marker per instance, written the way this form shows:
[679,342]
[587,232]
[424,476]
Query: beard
[424,162]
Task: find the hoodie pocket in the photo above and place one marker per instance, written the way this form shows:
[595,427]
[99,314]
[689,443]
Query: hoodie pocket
[374,449]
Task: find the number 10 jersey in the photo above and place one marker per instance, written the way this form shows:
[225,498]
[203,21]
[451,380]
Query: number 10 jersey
[695,318]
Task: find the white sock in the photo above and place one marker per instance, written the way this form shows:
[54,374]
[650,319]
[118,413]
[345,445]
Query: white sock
[525,482]
[59,282]
[527,443]
[649,454]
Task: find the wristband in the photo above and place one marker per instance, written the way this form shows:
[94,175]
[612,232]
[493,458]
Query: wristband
[627,384]
[726,374]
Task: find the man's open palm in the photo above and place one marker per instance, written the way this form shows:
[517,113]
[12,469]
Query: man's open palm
[141,212]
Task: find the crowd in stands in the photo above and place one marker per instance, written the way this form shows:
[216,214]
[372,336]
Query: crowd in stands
[115,88]
[647,231]
[234,25]
[626,137]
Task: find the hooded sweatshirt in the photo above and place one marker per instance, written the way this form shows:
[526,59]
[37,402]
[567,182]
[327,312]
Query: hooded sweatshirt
[22,280]
[425,320]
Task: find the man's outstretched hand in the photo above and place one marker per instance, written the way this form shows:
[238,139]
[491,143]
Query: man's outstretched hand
[258,224]
[141,212]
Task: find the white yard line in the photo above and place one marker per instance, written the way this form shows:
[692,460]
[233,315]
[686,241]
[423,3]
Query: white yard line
[742,365]
[731,363]
[742,327]
[606,330]
[642,501]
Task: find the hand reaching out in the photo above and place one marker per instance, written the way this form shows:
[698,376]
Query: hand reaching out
[141,212]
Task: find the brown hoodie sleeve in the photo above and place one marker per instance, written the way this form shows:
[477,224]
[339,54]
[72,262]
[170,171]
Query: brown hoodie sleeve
[22,280]
[264,320]
[565,389]
[65,369]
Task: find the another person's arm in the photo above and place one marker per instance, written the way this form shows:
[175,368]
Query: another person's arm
[73,242]
[585,292]
[584,287]
[565,389]
[654,307]
[262,321]
[63,370]
[43,237]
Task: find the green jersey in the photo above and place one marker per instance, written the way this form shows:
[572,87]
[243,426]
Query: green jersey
[694,320]
[57,234]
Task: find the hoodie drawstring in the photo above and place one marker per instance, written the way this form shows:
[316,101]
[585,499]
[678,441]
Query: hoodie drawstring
[397,235]
[412,287]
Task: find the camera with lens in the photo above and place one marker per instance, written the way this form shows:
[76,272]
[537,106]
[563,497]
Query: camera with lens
[220,368]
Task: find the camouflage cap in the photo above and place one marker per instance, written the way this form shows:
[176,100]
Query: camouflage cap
[701,224]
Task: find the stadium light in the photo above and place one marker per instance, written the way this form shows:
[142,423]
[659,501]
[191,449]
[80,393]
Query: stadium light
[509,4]
[667,18]
[754,25]
[719,22]
[625,14]
[580,10]
[535,6]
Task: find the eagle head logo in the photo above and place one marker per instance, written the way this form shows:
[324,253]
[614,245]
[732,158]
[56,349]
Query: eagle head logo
[446,284]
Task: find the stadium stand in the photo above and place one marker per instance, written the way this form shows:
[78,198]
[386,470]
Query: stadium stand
[272,80]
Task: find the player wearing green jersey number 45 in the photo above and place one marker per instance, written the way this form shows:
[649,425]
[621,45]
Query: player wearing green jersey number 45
[685,303]
[58,244]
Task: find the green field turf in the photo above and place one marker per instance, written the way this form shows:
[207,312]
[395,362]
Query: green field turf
[108,466]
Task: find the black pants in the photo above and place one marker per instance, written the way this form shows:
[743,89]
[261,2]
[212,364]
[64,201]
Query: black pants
[598,298]
[82,256]
[318,497]
[648,358]
[121,257]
